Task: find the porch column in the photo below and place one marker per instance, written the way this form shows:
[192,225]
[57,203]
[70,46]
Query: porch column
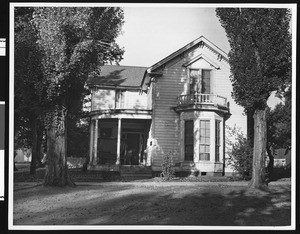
[119,142]
[95,142]
[91,140]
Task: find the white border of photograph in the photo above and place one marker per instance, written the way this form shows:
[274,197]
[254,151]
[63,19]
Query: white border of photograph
[141,227]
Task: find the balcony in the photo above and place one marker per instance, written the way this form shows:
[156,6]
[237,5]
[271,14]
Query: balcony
[202,101]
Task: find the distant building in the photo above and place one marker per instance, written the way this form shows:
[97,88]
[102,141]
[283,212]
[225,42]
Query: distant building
[180,105]
[23,155]
[282,158]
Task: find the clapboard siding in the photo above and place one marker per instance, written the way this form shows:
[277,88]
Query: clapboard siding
[135,100]
[166,128]
[224,88]
[104,99]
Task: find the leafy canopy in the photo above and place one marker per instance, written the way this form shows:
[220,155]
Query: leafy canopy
[71,40]
[260,55]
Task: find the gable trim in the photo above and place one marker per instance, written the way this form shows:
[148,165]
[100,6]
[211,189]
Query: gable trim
[202,41]
[201,56]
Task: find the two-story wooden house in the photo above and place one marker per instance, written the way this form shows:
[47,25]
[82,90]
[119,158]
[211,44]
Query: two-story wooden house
[181,107]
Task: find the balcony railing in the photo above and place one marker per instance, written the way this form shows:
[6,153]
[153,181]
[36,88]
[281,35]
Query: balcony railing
[196,99]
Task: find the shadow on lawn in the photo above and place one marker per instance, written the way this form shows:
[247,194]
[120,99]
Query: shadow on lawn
[218,206]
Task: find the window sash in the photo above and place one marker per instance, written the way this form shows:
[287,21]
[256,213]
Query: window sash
[189,140]
[217,141]
[200,81]
[204,146]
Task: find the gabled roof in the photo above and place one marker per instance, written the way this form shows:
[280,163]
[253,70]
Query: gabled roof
[202,56]
[118,76]
[201,41]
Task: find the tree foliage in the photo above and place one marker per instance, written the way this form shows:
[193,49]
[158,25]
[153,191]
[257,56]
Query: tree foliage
[29,92]
[260,55]
[70,40]
[240,153]
[279,123]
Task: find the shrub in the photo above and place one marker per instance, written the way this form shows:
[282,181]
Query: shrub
[168,171]
[240,153]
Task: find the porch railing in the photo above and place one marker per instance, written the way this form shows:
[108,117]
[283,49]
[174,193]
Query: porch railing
[195,99]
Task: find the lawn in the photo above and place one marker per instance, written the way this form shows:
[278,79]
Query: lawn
[153,202]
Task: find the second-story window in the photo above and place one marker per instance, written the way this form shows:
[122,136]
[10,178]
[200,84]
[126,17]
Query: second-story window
[205,81]
[120,99]
[200,80]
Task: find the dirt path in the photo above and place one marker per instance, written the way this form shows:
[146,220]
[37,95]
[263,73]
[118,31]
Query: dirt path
[153,203]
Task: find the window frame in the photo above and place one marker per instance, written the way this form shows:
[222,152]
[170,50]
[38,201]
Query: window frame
[189,156]
[206,144]
[217,139]
[196,84]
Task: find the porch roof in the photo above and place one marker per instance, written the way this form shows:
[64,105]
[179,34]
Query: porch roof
[118,76]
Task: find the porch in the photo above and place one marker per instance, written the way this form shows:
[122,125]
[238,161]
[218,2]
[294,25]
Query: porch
[118,141]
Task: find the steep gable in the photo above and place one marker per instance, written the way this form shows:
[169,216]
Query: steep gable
[213,58]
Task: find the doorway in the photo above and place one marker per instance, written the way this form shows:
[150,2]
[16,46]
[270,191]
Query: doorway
[133,140]
[133,151]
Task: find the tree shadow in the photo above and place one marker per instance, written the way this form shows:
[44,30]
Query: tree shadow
[217,205]
[114,78]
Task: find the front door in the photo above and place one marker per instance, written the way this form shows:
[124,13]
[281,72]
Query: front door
[133,145]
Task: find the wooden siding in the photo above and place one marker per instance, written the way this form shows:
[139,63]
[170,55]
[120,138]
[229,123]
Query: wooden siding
[105,99]
[135,100]
[166,121]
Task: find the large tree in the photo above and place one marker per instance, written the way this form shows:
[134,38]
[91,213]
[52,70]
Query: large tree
[72,42]
[260,61]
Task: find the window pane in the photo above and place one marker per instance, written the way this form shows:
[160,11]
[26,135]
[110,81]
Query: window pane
[204,147]
[207,149]
[189,140]
[205,81]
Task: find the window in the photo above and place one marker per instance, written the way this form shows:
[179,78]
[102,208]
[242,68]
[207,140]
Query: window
[195,81]
[200,81]
[205,81]
[120,99]
[204,147]
[218,144]
[189,140]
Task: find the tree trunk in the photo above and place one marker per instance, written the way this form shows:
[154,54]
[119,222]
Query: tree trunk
[271,163]
[57,168]
[259,150]
[250,127]
[39,146]
[34,151]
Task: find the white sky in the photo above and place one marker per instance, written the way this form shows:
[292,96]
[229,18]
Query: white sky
[152,33]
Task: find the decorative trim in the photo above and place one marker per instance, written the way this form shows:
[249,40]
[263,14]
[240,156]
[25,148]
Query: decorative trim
[201,56]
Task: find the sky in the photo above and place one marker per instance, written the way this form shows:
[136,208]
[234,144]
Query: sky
[150,34]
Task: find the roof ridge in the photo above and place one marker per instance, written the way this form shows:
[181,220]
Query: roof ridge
[125,66]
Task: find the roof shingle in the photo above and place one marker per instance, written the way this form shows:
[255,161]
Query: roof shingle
[119,76]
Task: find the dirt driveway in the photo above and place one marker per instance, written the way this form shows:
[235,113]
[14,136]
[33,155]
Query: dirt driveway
[153,203]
